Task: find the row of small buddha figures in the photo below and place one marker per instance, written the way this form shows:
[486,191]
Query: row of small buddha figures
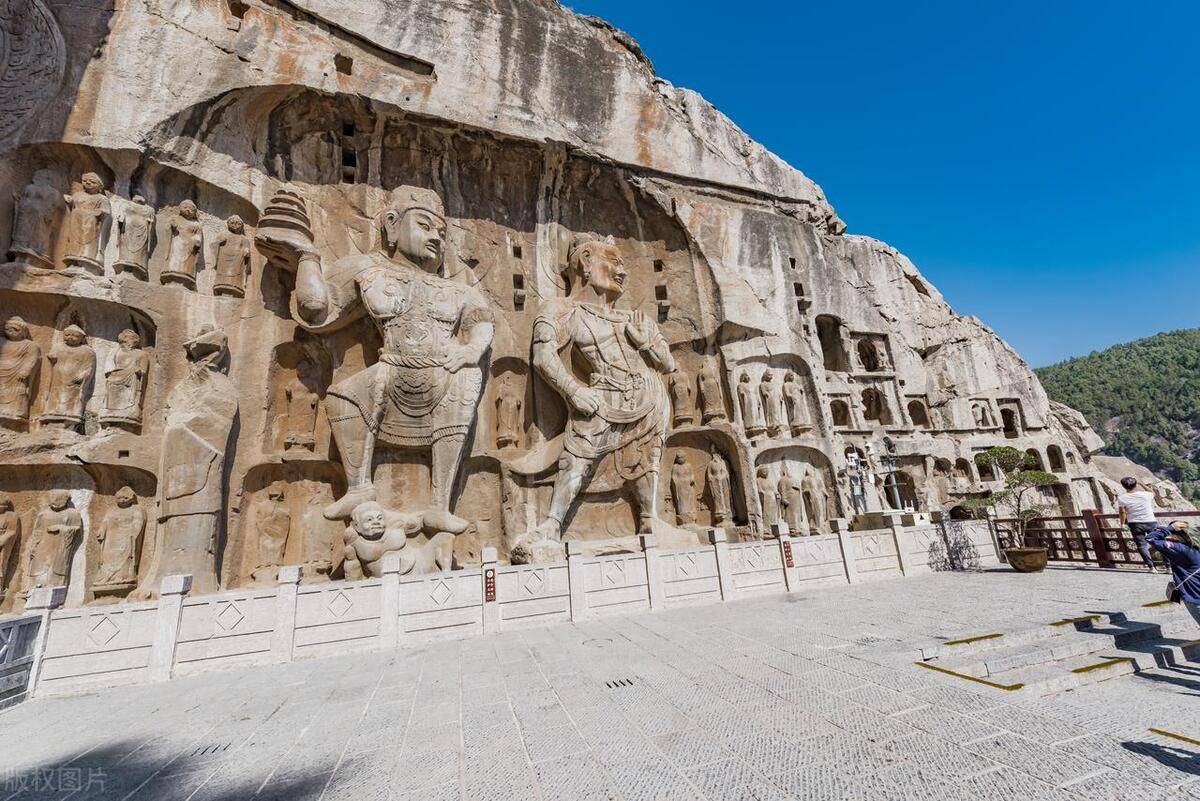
[57,531]
[88,218]
[773,407]
[72,373]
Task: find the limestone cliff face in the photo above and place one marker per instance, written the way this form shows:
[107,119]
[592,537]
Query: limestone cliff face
[533,125]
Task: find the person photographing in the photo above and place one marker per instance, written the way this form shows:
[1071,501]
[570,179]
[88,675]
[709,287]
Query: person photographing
[1182,553]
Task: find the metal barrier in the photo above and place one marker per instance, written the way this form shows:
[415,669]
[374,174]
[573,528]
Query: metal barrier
[1089,538]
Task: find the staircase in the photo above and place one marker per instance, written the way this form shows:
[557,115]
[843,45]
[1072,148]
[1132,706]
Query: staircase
[1066,654]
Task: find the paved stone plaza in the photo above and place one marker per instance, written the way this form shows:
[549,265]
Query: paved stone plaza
[814,696]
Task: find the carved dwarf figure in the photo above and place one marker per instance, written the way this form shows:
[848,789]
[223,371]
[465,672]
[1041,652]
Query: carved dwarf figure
[797,406]
[751,405]
[187,238]
[20,361]
[33,224]
[772,402]
[301,408]
[717,478]
[56,531]
[424,390]
[10,541]
[768,498]
[619,411]
[791,496]
[125,382]
[272,524]
[712,403]
[373,533]
[509,406]
[681,399]
[85,227]
[233,259]
[120,539]
[135,228]
[72,368]
[199,413]
[683,491]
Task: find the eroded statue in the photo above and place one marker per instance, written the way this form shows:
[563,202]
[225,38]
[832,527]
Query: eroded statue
[301,396]
[797,406]
[125,382]
[87,218]
[751,405]
[232,259]
[187,238]
[683,491]
[424,390]
[768,498]
[791,497]
[509,408]
[681,399]
[10,541]
[771,394]
[72,369]
[33,223]
[199,415]
[619,409]
[719,491]
[20,362]
[52,541]
[134,228]
[120,540]
[712,402]
[272,525]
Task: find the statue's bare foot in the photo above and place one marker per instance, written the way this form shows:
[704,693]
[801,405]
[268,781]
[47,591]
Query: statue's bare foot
[442,520]
[343,506]
[539,546]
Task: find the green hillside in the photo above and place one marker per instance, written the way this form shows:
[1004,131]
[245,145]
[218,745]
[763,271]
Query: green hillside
[1143,398]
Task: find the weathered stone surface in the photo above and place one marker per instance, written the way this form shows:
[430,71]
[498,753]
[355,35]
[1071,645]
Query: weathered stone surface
[479,266]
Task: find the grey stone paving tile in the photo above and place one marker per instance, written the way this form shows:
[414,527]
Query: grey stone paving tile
[361,779]
[881,699]
[574,778]
[948,725]
[1007,784]
[869,724]
[733,781]
[1051,765]
[959,700]
[689,748]
[1110,785]
[937,757]
[1044,728]
[552,742]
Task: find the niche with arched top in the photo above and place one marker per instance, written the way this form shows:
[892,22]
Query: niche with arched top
[831,333]
[875,407]
[1054,455]
[839,410]
[918,414]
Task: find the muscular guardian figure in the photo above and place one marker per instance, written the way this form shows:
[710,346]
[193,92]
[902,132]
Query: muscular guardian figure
[620,410]
[424,390]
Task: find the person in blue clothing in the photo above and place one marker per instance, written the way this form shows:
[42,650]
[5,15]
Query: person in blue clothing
[1183,555]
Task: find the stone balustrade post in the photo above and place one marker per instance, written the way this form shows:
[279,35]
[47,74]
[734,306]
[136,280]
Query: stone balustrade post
[171,593]
[491,604]
[895,522]
[720,544]
[575,580]
[841,527]
[390,629]
[787,555]
[654,579]
[41,602]
[283,637]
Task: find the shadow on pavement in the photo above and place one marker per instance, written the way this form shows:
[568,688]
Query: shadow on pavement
[1181,759]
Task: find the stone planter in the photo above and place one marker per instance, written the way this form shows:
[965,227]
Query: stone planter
[1027,560]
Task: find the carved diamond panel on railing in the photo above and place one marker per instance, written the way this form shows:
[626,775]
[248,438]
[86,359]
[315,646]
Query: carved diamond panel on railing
[614,573]
[339,604]
[103,631]
[535,581]
[229,617]
[441,592]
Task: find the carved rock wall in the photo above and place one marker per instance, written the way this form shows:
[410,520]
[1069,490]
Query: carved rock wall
[534,126]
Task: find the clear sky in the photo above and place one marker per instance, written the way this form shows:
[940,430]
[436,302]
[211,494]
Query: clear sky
[1038,161]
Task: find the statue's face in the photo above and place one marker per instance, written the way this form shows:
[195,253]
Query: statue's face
[129,340]
[188,211]
[139,200]
[72,337]
[14,330]
[125,497]
[59,500]
[369,521]
[235,224]
[92,184]
[420,237]
[606,270]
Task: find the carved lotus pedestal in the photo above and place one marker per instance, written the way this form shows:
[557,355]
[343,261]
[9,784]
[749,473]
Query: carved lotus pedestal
[1027,560]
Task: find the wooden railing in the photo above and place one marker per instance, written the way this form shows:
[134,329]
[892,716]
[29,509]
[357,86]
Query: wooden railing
[1089,538]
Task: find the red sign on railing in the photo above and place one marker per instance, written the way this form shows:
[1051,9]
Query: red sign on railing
[787,554]
[489,584]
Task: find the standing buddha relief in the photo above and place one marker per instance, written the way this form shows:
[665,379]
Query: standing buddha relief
[85,226]
[125,382]
[135,228]
[33,223]
[72,368]
[437,334]
[20,363]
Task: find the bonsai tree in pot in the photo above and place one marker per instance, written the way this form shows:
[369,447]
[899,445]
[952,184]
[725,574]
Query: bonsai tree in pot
[1023,485]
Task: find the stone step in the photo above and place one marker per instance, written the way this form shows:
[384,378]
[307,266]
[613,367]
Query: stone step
[1100,665]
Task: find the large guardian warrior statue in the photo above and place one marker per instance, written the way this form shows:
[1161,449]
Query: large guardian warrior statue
[424,390]
[619,410]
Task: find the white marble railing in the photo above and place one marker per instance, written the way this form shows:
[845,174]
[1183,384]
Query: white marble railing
[77,649]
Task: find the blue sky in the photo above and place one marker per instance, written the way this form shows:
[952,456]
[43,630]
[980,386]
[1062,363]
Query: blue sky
[1038,161]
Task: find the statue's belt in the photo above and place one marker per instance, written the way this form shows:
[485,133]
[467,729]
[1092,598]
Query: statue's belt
[433,358]
[635,383]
